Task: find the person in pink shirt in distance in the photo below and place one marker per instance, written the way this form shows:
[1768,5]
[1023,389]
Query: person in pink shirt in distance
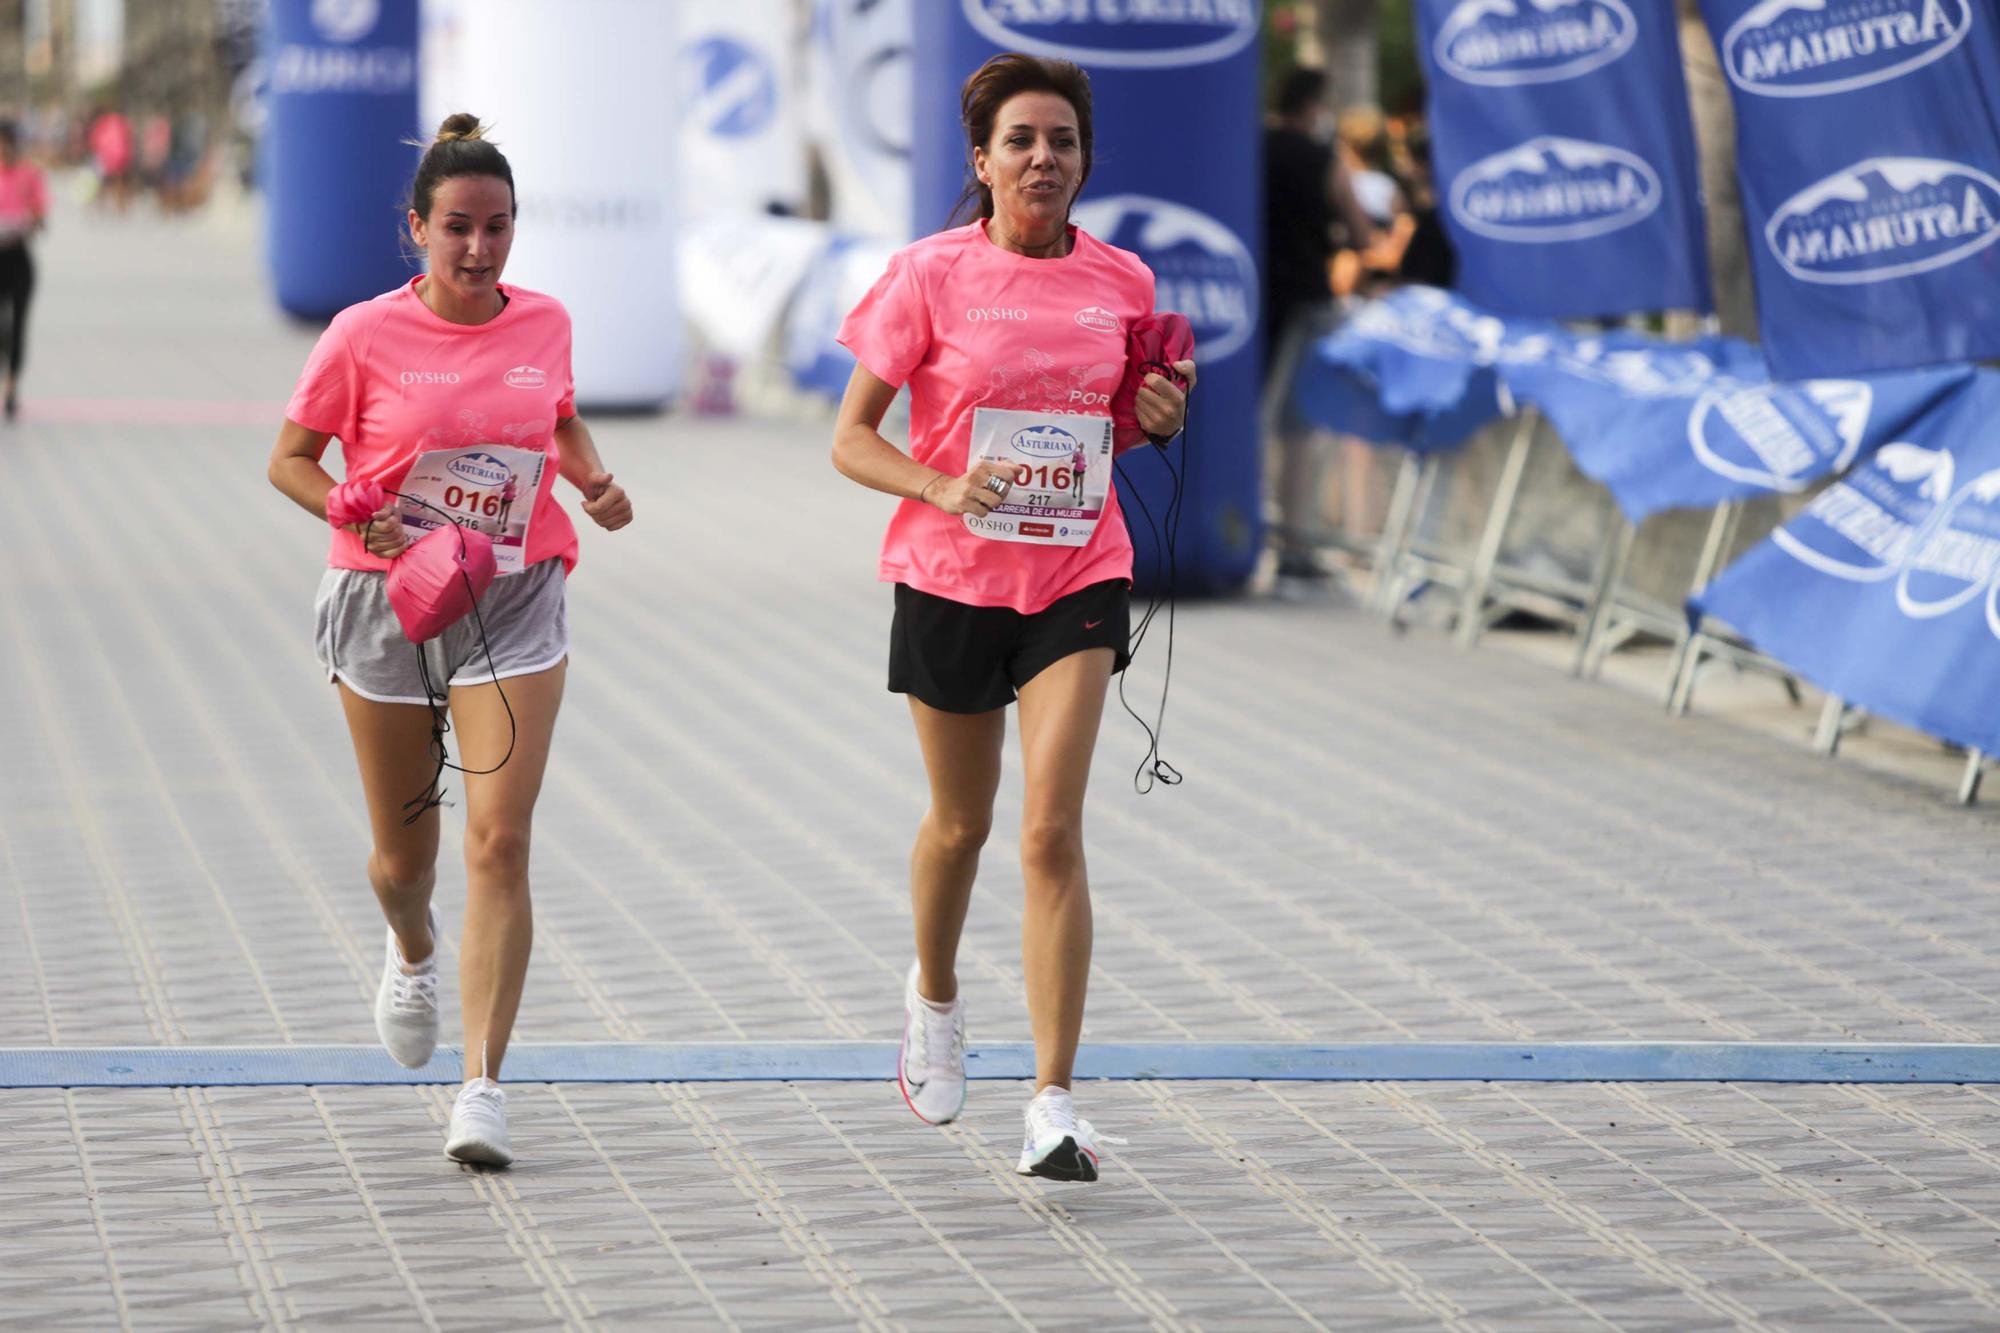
[24,211]
[110,138]
[462,366]
[1022,312]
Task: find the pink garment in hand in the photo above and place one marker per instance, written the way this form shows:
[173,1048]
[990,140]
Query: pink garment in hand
[1152,347]
[352,502]
[436,580]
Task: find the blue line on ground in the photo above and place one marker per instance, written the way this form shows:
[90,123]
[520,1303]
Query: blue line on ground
[863,1061]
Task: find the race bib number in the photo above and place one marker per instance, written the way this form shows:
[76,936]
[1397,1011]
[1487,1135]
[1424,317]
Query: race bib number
[1062,475]
[489,487]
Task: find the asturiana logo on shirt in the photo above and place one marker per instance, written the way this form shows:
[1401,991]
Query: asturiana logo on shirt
[1098,318]
[525,377]
[1502,43]
[1887,217]
[1555,189]
[980,313]
[1809,48]
[430,377]
[1118,34]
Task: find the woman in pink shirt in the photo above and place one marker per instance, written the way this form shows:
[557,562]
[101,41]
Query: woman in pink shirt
[24,210]
[455,388]
[1012,576]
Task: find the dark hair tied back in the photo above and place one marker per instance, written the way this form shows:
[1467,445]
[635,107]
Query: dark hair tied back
[992,86]
[460,149]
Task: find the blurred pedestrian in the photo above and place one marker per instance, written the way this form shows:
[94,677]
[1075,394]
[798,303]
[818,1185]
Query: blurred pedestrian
[1310,217]
[110,140]
[454,374]
[24,211]
[1017,310]
[1427,257]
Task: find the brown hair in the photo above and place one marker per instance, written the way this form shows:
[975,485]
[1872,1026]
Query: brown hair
[1007,76]
[460,149]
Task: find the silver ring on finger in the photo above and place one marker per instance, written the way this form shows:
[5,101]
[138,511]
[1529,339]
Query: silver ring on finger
[999,486]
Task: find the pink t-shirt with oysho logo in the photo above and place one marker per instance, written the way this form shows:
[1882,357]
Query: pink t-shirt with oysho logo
[391,379]
[966,325]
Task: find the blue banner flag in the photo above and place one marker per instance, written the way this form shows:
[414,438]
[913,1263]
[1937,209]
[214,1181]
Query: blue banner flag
[1884,590]
[1683,425]
[1868,149]
[1417,368]
[1565,156]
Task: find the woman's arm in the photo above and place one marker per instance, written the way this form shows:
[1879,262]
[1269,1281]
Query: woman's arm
[603,499]
[860,453]
[295,470]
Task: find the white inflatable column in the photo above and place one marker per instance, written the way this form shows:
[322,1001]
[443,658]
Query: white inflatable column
[581,98]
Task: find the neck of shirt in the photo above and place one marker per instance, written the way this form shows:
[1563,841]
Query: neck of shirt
[428,294]
[1057,247]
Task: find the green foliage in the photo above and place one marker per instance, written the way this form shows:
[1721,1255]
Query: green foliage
[1397,68]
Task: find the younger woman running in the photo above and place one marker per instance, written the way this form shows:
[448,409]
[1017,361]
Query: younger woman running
[454,388]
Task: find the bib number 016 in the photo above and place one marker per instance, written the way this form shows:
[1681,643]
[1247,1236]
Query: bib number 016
[480,504]
[1047,478]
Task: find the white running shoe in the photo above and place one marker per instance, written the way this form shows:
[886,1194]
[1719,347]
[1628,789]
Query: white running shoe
[479,1125]
[931,1068]
[1058,1146]
[406,1004]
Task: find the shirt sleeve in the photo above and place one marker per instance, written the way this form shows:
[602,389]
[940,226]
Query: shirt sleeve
[328,396]
[889,331]
[566,395]
[38,194]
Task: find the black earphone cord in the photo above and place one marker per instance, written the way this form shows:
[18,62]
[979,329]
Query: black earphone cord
[1152,768]
[433,793]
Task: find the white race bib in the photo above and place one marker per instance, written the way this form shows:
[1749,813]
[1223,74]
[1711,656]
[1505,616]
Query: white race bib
[1062,475]
[488,487]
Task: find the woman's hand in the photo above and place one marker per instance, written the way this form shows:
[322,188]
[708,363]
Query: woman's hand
[970,494]
[383,533]
[1160,407]
[606,502]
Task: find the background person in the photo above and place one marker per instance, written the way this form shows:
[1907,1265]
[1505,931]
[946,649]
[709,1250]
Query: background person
[24,211]
[1310,217]
[979,621]
[443,362]
[110,139]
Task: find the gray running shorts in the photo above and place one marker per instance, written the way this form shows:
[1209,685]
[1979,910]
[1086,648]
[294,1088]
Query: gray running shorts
[358,640]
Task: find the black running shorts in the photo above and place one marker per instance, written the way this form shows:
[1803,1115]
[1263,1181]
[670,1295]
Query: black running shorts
[971,659]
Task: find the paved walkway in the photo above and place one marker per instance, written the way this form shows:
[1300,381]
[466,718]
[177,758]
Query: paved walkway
[1378,839]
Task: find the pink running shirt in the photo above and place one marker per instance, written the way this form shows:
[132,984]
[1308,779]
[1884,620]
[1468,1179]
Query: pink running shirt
[967,324]
[24,199]
[391,378]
